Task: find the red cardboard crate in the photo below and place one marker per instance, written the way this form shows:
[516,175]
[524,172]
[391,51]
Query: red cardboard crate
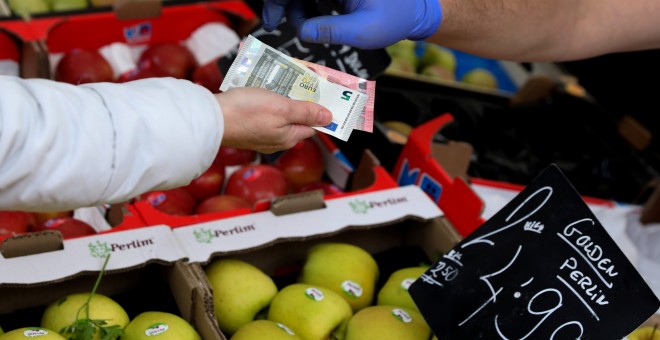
[417,166]
[93,28]
[8,47]
[461,204]
[370,176]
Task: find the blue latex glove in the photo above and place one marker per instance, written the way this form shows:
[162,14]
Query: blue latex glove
[366,24]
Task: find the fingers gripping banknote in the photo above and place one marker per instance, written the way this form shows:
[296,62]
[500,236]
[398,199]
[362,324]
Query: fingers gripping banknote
[259,65]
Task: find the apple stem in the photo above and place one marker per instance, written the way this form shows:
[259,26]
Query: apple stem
[96,286]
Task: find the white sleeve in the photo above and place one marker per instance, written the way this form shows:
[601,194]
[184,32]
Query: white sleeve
[63,146]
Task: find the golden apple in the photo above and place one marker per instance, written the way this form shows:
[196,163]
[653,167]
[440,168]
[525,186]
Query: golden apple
[38,333]
[346,269]
[387,323]
[645,333]
[265,330]
[240,291]
[66,310]
[395,290]
[312,312]
[159,326]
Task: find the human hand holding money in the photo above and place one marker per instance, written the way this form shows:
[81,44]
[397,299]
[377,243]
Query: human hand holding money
[259,65]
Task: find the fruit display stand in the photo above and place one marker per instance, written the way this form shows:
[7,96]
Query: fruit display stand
[512,138]
[120,35]
[399,226]
[9,54]
[369,176]
[425,64]
[145,271]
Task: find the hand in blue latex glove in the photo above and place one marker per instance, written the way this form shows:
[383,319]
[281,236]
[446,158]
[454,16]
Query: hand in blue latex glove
[367,24]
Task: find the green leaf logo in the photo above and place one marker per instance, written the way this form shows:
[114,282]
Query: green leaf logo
[359,206]
[203,235]
[98,249]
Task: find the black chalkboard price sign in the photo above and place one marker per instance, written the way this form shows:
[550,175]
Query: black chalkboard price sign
[543,267]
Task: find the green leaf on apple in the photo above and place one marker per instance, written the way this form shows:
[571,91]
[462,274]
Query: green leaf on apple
[85,328]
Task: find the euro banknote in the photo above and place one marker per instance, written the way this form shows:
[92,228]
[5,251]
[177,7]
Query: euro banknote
[259,65]
[368,87]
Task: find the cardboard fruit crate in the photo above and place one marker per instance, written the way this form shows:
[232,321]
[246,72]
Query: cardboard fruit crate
[146,271]
[401,228]
[10,54]
[134,25]
[369,176]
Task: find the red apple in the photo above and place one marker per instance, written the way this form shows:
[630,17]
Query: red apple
[15,222]
[209,76]
[229,156]
[302,164]
[69,227]
[81,66]
[328,188]
[220,203]
[139,73]
[42,217]
[256,182]
[172,59]
[177,201]
[207,184]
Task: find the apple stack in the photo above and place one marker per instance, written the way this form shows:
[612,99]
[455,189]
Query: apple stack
[239,181]
[97,316]
[183,42]
[436,62]
[166,59]
[70,226]
[335,296]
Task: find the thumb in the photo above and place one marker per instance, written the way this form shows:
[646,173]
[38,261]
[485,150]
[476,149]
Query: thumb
[310,114]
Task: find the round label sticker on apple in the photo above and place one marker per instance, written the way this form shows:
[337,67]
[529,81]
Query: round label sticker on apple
[285,328]
[401,315]
[314,294]
[405,284]
[352,289]
[156,329]
[36,332]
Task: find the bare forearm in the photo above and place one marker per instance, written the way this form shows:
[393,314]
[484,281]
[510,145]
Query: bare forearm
[540,30]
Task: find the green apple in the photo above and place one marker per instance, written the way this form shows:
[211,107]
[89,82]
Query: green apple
[480,77]
[399,126]
[240,292]
[28,7]
[68,5]
[645,333]
[312,312]
[403,55]
[35,333]
[387,323]
[437,55]
[395,290]
[265,330]
[403,46]
[2,331]
[438,72]
[159,325]
[401,64]
[66,310]
[344,268]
